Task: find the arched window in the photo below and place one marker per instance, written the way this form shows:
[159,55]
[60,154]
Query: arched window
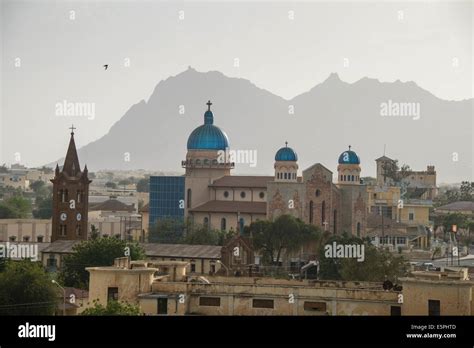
[285,176]
[334,221]
[352,177]
[223,224]
[344,178]
[358,229]
[323,212]
[206,222]
[188,203]
[241,224]
[341,177]
[311,212]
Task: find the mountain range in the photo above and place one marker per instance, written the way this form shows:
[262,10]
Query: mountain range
[319,125]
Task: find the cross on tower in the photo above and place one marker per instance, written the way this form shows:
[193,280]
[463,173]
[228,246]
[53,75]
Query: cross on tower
[208,105]
[72,129]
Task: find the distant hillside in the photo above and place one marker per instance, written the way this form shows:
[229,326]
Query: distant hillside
[326,120]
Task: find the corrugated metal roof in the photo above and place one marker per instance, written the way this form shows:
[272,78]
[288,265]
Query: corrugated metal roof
[242,181]
[232,207]
[182,250]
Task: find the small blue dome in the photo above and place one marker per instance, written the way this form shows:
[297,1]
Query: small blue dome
[286,154]
[349,157]
[208,136]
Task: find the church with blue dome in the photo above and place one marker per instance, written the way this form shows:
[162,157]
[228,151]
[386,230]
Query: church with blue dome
[215,198]
[340,202]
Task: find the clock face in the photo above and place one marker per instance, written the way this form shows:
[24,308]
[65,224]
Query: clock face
[78,216]
[63,216]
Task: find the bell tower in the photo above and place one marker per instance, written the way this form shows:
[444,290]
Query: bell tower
[70,198]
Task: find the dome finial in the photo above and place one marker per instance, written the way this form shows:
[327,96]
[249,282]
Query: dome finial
[286,144]
[350,147]
[208,105]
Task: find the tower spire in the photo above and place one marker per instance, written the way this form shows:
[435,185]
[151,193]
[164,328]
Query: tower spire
[71,162]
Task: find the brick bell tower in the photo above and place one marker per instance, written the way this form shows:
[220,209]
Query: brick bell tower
[70,198]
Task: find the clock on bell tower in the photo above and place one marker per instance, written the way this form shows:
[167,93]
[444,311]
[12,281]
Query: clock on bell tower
[70,198]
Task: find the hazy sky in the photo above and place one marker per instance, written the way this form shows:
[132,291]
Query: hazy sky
[284,47]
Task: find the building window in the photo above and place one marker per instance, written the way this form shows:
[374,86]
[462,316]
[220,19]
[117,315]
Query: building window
[213,268]
[411,216]
[323,212]
[318,192]
[12,238]
[352,177]
[341,177]
[40,239]
[434,308]
[358,229]
[193,267]
[210,301]
[188,204]
[63,230]
[395,310]
[223,224]
[78,230]
[226,194]
[261,195]
[259,303]
[52,262]
[315,306]
[79,196]
[26,238]
[112,294]
[206,222]
[241,224]
[375,195]
[285,176]
[242,194]
[334,221]
[311,212]
[344,178]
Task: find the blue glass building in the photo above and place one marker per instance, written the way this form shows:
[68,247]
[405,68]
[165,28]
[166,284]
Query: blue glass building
[166,198]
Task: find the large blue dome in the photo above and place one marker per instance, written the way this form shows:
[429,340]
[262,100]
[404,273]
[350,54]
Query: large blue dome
[349,157]
[286,154]
[208,136]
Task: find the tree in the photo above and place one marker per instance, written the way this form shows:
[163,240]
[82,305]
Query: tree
[15,207]
[286,233]
[167,231]
[112,308]
[202,235]
[448,220]
[143,185]
[467,191]
[395,172]
[37,186]
[3,168]
[94,253]
[44,208]
[378,265]
[124,182]
[111,185]
[26,289]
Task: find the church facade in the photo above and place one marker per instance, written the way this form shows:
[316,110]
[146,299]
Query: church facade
[215,198]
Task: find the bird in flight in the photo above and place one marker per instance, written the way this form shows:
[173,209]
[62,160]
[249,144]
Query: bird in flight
[106,66]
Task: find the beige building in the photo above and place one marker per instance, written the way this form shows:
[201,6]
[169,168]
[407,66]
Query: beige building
[448,292]
[165,288]
[25,230]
